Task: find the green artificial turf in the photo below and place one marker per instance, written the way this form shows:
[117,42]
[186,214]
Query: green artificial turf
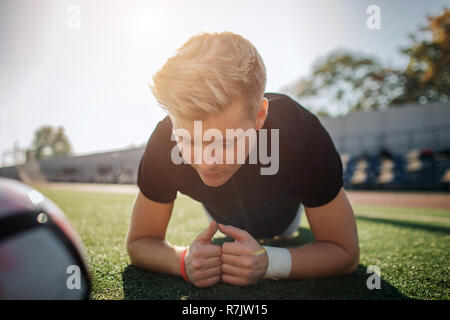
[411,251]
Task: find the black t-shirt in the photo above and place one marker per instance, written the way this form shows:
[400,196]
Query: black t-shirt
[310,172]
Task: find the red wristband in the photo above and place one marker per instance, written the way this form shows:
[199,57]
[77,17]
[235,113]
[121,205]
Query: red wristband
[183,270]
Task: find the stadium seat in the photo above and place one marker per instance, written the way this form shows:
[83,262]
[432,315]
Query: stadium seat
[386,172]
[442,176]
[348,172]
[420,170]
[389,174]
[345,158]
[361,174]
[446,177]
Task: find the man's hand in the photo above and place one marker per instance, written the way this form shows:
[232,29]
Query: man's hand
[203,259]
[244,261]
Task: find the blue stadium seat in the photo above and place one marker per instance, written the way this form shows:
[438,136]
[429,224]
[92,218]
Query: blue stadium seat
[359,173]
[419,170]
[389,173]
[442,176]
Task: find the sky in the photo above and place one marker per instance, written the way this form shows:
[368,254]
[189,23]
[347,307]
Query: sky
[86,65]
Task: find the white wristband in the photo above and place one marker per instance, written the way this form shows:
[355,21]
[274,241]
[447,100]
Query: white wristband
[279,263]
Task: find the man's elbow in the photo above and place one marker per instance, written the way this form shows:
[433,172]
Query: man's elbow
[131,250]
[353,261]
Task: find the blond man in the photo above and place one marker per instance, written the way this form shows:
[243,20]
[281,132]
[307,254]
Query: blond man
[213,89]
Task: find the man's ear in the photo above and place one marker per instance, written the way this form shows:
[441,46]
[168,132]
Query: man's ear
[262,113]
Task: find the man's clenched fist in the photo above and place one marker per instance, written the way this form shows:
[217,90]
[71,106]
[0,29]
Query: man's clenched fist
[203,259]
[244,261]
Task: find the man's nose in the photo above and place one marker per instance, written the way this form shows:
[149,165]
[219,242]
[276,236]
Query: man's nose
[206,167]
[206,158]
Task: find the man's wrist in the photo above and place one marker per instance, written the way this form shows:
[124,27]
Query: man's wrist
[175,266]
[182,265]
[279,263]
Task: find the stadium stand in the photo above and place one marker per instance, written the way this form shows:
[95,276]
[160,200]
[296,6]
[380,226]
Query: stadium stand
[418,169]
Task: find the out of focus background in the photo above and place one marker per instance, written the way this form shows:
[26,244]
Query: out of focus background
[76,107]
[76,113]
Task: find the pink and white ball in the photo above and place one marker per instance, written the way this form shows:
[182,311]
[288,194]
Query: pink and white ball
[41,255]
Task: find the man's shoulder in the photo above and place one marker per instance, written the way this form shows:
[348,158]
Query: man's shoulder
[165,124]
[284,103]
[294,121]
[160,138]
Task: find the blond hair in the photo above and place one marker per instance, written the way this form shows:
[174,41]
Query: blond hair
[207,74]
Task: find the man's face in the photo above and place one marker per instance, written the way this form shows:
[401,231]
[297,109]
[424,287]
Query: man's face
[235,117]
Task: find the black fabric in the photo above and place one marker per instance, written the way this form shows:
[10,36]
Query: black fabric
[19,222]
[310,172]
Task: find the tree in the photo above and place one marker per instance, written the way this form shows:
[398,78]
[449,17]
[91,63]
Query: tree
[61,145]
[353,82]
[428,72]
[49,142]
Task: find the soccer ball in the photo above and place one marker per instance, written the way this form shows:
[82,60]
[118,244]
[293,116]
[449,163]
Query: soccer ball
[41,256]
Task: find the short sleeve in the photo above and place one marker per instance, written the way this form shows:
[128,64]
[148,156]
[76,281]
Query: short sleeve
[321,177]
[155,172]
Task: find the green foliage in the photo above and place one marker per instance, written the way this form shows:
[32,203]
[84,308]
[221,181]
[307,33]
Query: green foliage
[428,72]
[354,82]
[49,142]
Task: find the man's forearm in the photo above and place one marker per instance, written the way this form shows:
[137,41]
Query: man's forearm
[321,259]
[155,255]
